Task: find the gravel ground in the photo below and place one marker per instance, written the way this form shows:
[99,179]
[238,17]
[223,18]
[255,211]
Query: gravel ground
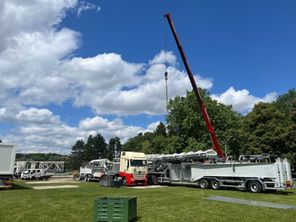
[148,187]
[54,179]
[55,187]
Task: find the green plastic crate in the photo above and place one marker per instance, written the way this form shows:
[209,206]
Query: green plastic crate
[109,209]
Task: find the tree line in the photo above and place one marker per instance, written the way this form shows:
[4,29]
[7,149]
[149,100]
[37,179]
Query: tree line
[267,128]
[94,148]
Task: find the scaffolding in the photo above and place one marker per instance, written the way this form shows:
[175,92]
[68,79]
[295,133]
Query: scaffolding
[48,166]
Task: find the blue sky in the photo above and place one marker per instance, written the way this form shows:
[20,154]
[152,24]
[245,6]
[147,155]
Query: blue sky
[240,43]
[72,68]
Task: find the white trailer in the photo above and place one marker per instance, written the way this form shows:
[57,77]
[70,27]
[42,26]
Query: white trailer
[254,174]
[7,158]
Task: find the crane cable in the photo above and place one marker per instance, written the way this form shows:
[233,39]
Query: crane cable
[165,63]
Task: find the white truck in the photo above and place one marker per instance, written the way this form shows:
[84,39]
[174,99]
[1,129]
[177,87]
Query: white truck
[94,170]
[133,168]
[7,158]
[130,168]
[254,173]
[35,174]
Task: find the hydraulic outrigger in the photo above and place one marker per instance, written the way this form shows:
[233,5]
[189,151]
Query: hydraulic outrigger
[216,144]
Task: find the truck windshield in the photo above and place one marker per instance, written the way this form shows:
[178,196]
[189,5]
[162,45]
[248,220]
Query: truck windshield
[139,163]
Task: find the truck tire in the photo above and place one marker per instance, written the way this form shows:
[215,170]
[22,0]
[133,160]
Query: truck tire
[203,183]
[154,180]
[215,184]
[123,181]
[254,186]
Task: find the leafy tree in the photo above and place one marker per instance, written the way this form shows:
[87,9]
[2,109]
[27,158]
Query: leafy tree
[135,143]
[158,144]
[160,130]
[95,148]
[114,148]
[147,147]
[265,130]
[284,103]
[185,121]
[77,154]
[194,145]
[174,144]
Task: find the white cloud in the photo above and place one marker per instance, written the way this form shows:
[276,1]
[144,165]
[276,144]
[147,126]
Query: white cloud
[270,97]
[38,67]
[37,116]
[101,73]
[164,57]
[241,100]
[31,49]
[18,17]
[153,126]
[86,6]
[39,130]
[102,79]
[110,128]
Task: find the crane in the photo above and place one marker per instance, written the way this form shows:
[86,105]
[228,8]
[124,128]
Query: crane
[211,129]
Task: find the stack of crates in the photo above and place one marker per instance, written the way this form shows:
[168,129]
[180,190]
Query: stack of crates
[115,209]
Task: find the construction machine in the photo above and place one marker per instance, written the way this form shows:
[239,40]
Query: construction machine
[211,168]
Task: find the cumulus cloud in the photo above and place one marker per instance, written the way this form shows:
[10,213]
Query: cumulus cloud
[31,49]
[39,130]
[37,116]
[38,67]
[31,16]
[110,128]
[241,100]
[105,78]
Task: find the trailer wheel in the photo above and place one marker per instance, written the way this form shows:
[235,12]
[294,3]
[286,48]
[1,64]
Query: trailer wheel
[254,187]
[215,184]
[203,183]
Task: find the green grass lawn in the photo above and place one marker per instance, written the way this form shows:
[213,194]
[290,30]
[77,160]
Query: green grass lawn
[173,203]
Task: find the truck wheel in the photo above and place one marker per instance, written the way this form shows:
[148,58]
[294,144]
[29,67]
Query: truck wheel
[154,180]
[123,181]
[215,184]
[254,187]
[203,183]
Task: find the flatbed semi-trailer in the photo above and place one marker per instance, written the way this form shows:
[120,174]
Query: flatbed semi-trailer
[204,170]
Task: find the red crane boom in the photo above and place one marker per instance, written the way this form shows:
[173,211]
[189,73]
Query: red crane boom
[201,104]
